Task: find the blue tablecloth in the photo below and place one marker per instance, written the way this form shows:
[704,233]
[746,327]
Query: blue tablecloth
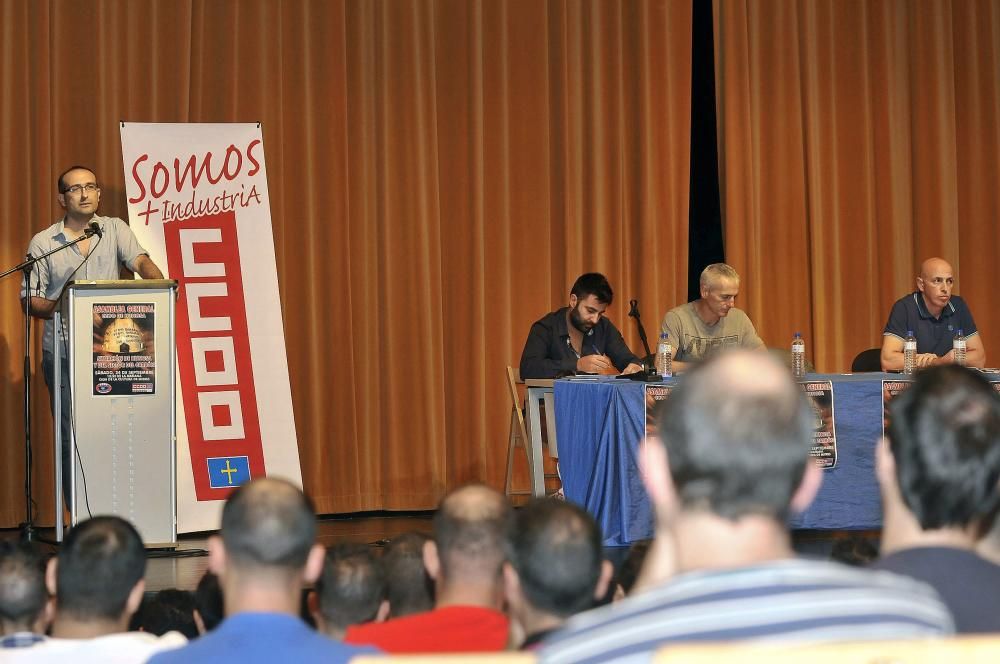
[599,424]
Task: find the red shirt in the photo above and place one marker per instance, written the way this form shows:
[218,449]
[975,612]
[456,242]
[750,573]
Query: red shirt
[448,629]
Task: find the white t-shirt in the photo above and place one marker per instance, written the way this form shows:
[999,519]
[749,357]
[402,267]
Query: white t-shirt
[123,648]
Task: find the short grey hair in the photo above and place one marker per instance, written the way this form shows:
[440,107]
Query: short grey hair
[711,274]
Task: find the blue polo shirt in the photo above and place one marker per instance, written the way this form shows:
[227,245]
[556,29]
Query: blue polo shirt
[934,335]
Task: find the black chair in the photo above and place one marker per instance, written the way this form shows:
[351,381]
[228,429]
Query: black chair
[867,360]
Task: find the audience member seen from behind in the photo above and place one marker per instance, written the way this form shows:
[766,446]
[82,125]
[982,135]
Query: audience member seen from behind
[711,323]
[98,582]
[934,314]
[350,591]
[25,609]
[939,471]
[555,567]
[167,611]
[856,550]
[464,559]
[264,556]
[730,462]
[627,574]
[409,589]
[578,338]
[208,604]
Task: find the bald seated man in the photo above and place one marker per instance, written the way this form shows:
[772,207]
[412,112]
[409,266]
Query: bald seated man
[934,315]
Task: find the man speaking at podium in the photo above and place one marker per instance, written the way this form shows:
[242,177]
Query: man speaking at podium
[110,244]
[578,338]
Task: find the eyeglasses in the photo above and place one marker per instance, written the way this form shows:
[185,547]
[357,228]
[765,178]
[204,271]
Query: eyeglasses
[90,188]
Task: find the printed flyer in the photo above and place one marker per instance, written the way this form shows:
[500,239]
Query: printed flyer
[124,359]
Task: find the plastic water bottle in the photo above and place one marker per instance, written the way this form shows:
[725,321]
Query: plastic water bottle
[958,345]
[909,353]
[798,356]
[664,357]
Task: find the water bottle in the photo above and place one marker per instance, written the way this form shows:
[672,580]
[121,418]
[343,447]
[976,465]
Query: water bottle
[909,353]
[798,356]
[664,357]
[958,346]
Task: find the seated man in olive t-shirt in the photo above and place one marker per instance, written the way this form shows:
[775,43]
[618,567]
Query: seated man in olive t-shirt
[711,323]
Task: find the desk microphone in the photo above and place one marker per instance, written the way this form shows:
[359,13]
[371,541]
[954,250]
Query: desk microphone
[94,229]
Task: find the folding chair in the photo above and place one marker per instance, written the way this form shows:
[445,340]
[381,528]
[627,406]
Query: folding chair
[519,436]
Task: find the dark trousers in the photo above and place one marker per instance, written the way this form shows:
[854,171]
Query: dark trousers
[66,415]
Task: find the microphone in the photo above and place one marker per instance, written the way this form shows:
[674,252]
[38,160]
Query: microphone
[634,313]
[94,229]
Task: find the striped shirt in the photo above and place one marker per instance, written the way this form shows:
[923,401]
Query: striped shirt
[788,600]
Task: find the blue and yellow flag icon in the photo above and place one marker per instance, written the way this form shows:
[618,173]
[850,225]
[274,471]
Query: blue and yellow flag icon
[227,472]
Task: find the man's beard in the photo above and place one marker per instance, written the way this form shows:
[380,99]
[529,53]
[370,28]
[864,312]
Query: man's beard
[577,320]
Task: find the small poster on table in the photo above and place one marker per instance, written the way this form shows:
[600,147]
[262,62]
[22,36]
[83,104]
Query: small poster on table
[824,447]
[655,396]
[891,389]
[124,358]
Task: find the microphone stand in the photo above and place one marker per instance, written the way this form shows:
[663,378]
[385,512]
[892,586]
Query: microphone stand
[647,361]
[28,530]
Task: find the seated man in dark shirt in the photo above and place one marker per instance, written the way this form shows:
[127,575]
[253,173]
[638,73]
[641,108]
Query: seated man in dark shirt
[578,338]
[934,315]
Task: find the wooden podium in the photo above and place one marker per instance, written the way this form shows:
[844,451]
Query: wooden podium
[119,339]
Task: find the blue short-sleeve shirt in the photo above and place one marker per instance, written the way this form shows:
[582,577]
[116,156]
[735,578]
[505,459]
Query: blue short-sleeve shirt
[934,335]
[117,247]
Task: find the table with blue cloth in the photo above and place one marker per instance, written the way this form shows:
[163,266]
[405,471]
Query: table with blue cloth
[599,424]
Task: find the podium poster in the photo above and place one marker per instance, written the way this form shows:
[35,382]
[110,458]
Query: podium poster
[198,203]
[124,343]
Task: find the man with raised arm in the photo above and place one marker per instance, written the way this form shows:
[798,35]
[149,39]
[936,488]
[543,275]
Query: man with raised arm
[728,465]
[934,314]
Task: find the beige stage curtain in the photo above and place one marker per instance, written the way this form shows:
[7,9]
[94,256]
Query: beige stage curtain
[857,139]
[440,172]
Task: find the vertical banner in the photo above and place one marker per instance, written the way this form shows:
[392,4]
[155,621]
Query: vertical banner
[198,202]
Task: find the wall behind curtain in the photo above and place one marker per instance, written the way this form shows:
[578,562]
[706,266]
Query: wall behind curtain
[440,172]
[856,140]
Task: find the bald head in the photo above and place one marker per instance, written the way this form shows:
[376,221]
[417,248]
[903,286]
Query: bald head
[936,282]
[933,266]
[470,528]
[268,523]
[737,431]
